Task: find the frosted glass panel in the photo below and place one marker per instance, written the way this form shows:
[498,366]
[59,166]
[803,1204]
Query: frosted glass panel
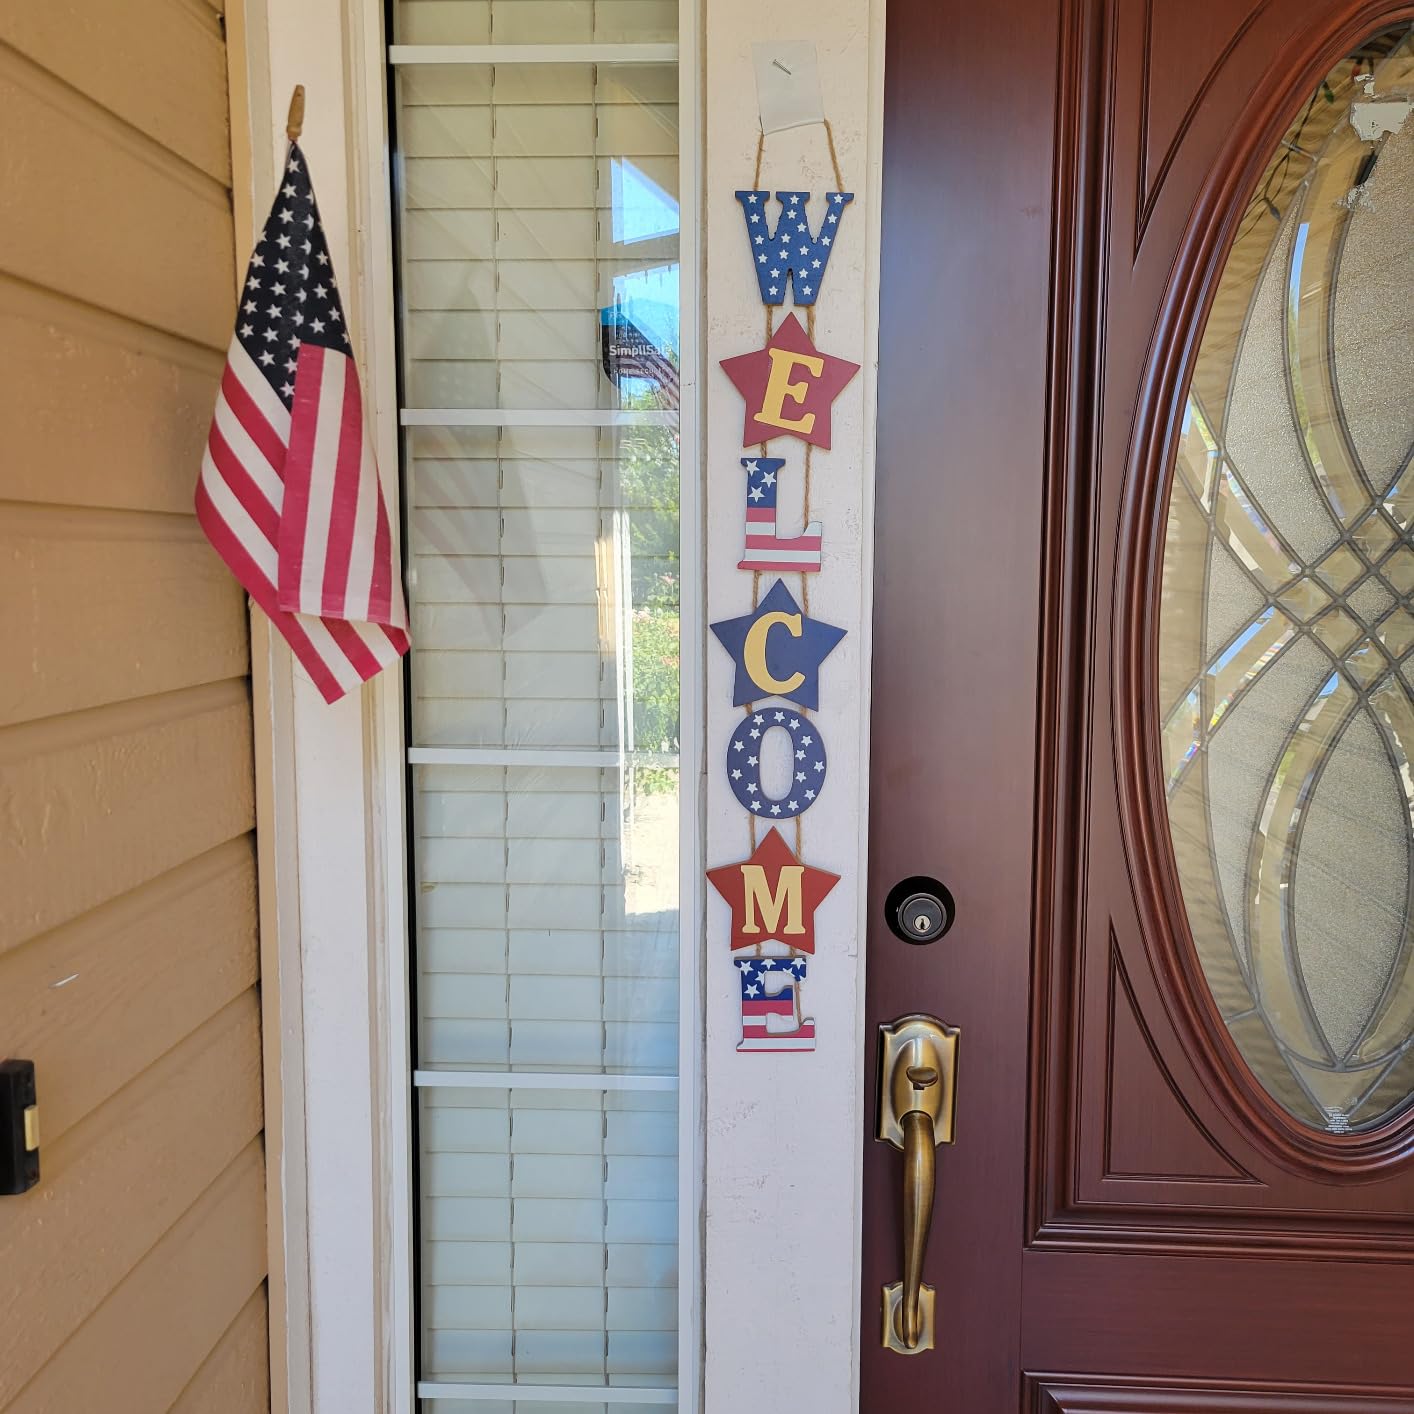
[543,579]
[539,219]
[1287,621]
[549,1232]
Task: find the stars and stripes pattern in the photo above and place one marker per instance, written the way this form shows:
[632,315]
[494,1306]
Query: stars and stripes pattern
[770,1010]
[765,548]
[791,254]
[289,493]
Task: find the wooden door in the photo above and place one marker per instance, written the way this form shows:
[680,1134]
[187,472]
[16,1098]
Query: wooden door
[1113,229]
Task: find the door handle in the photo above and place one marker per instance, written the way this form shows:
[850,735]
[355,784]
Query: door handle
[917,1093]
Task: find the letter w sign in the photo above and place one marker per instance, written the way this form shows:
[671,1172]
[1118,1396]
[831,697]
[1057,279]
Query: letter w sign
[791,253]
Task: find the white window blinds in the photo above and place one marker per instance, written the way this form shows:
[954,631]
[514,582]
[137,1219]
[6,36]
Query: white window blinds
[539,297]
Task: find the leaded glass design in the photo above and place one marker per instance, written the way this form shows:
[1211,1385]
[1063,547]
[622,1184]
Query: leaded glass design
[1286,663]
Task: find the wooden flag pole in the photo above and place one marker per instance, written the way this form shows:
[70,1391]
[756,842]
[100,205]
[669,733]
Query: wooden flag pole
[294,124]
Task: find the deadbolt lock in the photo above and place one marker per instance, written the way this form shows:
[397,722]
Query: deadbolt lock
[919,910]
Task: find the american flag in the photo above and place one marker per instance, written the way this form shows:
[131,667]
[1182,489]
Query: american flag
[765,549]
[769,992]
[289,493]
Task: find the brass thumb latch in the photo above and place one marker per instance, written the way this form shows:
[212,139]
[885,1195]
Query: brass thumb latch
[917,1090]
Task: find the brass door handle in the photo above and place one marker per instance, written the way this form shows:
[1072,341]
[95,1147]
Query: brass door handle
[917,1090]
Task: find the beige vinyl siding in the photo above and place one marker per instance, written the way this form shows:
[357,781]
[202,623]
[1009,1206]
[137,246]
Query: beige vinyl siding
[134,1275]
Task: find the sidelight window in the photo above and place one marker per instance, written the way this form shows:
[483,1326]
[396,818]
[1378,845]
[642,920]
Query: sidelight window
[545,278]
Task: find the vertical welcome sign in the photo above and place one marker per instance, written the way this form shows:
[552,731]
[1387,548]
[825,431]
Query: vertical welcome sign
[776,757]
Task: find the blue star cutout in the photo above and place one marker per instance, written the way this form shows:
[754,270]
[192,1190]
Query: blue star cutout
[781,657]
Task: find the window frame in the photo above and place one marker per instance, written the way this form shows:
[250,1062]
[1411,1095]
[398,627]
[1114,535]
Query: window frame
[691,688]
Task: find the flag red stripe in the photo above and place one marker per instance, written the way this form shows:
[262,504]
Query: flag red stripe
[243,488]
[380,590]
[794,566]
[774,1006]
[780,542]
[256,425]
[229,547]
[309,368]
[343,508]
[365,664]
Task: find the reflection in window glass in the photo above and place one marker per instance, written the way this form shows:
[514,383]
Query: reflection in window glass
[532,199]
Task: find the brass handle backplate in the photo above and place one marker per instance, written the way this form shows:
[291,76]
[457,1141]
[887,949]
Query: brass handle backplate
[917,1091]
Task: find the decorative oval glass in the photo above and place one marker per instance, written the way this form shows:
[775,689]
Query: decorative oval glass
[1286,635]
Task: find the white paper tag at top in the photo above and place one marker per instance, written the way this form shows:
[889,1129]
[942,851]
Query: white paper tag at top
[787,84]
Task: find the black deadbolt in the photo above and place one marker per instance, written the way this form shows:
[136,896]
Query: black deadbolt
[919,910]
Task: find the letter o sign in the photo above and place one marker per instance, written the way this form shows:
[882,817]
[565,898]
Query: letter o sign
[808,767]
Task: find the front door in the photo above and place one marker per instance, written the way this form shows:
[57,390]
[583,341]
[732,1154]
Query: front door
[1144,709]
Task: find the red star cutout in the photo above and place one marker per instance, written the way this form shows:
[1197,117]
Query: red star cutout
[773,895]
[789,387]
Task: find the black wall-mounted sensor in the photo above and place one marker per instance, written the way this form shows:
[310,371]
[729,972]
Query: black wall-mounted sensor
[19,1128]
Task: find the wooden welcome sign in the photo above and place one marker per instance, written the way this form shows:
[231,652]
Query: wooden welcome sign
[788,387]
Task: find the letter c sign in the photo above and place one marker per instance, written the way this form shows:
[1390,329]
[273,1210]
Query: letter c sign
[754,654]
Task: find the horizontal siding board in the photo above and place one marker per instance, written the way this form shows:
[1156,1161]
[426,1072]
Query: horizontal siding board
[116,1183]
[85,817]
[100,606]
[139,1350]
[159,65]
[157,238]
[97,410]
[235,1377]
[95,1003]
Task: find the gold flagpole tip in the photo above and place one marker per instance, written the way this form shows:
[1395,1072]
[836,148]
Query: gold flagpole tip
[295,123]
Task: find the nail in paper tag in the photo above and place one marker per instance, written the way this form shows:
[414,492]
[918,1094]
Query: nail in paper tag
[787,84]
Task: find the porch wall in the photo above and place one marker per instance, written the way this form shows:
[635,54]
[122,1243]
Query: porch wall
[133,1276]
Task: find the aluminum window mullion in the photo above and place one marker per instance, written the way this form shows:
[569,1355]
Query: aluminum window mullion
[432,1078]
[608,760]
[548,1394]
[405,54]
[535,417]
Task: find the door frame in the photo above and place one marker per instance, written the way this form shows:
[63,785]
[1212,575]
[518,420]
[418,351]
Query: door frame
[330,780]
[329,800]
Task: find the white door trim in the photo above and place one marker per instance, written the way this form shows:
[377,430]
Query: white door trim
[330,798]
